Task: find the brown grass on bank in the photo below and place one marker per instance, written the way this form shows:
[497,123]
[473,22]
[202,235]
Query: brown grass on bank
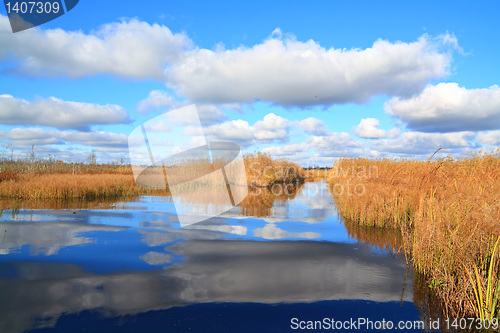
[447,210]
[8,175]
[66,186]
[263,171]
[54,180]
[41,179]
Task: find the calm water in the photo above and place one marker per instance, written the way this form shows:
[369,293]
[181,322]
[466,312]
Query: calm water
[132,268]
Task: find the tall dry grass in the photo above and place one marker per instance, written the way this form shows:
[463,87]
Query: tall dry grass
[49,179]
[264,171]
[447,210]
[68,186]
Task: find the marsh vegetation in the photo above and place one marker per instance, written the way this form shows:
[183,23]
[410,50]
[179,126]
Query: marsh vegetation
[443,215]
[448,214]
[41,179]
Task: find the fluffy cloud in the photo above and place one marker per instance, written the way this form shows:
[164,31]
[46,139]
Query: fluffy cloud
[446,107]
[57,113]
[313,126]
[280,70]
[489,138]
[368,128]
[418,143]
[287,150]
[210,113]
[128,49]
[271,127]
[156,100]
[319,149]
[19,137]
[291,72]
[323,149]
[238,130]
[160,101]
[335,141]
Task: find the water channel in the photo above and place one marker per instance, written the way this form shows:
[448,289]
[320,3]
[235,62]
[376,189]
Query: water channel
[276,263]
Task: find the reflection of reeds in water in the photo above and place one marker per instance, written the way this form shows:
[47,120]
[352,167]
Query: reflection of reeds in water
[210,196]
[429,305]
[62,204]
[260,201]
[448,212]
[212,201]
[380,238]
[200,187]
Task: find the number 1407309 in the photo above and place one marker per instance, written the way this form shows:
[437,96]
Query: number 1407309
[32,7]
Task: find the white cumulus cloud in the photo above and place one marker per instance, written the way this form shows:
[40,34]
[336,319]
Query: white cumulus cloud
[489,137]
[156,100]
[313,126]
[336,140]
[18,137]
[286,150]
[291,72]
[418,143]
[271,127]
[55,112]
[160,101]
[127,49]
[447,107]
[368,128]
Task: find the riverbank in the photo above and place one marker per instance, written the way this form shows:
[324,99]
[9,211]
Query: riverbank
[448,212]
[42,180]
[68,186]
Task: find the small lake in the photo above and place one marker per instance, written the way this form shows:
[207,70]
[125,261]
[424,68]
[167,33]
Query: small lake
[276,263]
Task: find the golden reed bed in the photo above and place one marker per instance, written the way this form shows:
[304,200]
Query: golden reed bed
[448,212]
[63,181]
[68,186]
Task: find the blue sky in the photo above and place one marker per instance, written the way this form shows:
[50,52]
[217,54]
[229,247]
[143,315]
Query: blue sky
[306,81]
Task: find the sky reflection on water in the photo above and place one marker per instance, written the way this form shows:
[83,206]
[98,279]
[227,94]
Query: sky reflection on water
[137,259]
